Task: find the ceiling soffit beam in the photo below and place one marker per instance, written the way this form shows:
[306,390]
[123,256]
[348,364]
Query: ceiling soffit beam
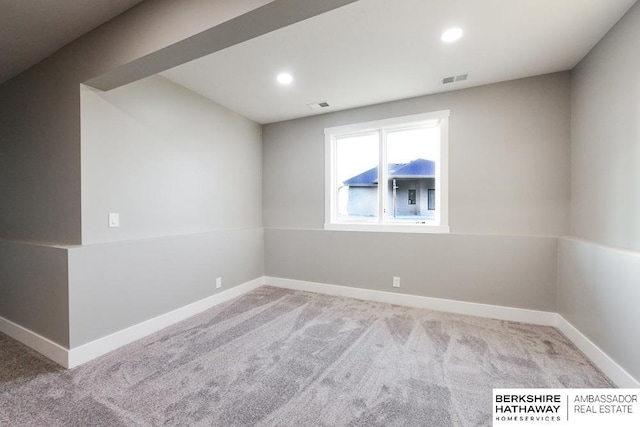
[267,18]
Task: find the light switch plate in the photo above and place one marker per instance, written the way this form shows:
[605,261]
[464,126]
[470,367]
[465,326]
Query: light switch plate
[114,220]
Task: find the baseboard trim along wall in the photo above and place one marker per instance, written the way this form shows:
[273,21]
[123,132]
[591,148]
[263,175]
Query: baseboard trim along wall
[615,372]
[93,349]
[598,357]
[70,358]
[42,345]
[451,306]
[84,353]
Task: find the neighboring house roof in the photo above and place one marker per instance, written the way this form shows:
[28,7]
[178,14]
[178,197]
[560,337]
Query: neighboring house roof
[369,177]
[419,168]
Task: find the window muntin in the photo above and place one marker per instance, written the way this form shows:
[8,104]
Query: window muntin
[408,155]
[431,201]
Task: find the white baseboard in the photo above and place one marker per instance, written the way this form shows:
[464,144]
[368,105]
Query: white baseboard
[86,352]
[451,306]
[42,345]
[599,358]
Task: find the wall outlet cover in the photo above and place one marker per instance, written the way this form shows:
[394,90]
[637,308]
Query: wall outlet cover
[114,220]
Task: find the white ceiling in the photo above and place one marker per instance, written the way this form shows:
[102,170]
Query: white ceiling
[31,30]
[364,53]
[373,51]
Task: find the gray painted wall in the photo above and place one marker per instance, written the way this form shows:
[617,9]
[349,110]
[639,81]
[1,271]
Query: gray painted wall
[41,170]
[509,175]
[598,282]
[606,139]
[500,270]
[509,158]
[599,295]
[116,285]
[168,161]
[40,113]
[509,162]
[185,175]
[33,288]
[40,157]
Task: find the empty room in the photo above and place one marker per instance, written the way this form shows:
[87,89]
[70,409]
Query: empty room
[319,213]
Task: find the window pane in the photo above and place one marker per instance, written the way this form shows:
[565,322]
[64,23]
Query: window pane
[412,157]
[357,177]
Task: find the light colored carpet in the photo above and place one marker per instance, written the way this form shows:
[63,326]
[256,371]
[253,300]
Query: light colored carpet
[277,357]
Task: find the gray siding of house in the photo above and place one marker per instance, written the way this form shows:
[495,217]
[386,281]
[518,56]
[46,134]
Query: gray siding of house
[403,208]
[363,201]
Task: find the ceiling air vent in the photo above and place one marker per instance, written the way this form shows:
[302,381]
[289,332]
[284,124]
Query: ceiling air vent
[452,79]
[318,105]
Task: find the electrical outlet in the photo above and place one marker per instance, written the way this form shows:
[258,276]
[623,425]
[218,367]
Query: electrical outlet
[396,282]
[218,282]
[114,220]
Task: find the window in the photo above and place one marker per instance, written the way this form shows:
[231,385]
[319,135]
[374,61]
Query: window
[432,199]
[388,175]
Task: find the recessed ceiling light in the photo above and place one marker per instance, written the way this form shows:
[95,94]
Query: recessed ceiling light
[451,35]
[285,78]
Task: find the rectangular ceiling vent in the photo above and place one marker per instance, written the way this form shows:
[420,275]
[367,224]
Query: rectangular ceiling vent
[452,79]
[318,105]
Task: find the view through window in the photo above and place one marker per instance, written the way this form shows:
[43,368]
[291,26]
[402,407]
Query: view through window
[388,172]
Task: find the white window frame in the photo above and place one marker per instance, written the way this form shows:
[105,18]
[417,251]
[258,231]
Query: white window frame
[435,118]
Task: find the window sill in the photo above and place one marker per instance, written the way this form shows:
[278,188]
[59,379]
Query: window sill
[389,228]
